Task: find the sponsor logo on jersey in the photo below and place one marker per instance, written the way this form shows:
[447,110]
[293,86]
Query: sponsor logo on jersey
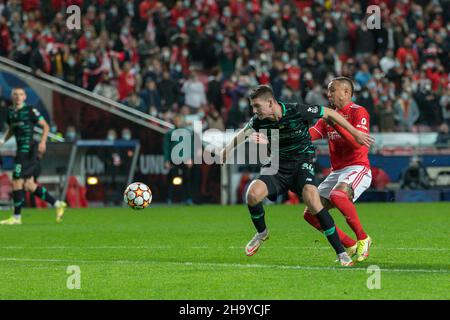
[362,126]
[313,109]
[333,135]
[36,112]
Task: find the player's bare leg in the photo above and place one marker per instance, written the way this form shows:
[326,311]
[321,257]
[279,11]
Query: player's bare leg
[342,198]
[349,244]
[256,193]
[18,199]
[41,192]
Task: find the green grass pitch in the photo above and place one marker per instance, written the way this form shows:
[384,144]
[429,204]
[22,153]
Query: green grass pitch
[197,252]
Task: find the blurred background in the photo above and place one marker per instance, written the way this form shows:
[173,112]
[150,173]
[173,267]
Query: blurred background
[114,90]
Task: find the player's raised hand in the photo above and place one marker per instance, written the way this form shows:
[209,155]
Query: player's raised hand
[258,137]
[364,139]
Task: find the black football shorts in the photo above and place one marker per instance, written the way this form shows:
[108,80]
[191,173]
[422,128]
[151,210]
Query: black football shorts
[291,175]
[26,164]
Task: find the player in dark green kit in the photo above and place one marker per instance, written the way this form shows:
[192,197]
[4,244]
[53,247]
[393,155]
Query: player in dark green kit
[21,120]
[291,166]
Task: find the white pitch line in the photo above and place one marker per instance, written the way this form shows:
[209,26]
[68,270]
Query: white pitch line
[226,265]
[206,247]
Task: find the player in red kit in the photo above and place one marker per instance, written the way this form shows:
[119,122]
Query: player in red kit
[351,174]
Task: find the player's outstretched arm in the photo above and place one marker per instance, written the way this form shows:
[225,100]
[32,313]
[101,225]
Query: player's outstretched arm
[45,130]
[237,140]
[318,131]
[346,135]
[361,137]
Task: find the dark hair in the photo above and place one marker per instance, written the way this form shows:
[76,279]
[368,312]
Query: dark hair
[347,80]
[261,91]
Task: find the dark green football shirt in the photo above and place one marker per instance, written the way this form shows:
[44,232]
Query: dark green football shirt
[22,123]
[294,140]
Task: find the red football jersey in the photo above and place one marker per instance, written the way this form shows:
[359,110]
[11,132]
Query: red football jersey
[342,153]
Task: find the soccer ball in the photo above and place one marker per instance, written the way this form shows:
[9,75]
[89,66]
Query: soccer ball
[137,195]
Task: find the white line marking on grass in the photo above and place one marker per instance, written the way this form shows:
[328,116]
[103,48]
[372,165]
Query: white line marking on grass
[226,265]
[207,247]
[377,247]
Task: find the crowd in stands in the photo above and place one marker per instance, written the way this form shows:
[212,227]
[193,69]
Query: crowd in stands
[198,58]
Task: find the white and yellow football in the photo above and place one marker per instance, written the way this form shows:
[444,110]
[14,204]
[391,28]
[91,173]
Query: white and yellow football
[137,195]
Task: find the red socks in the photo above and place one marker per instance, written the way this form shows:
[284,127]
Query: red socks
[340,200]
[345,239]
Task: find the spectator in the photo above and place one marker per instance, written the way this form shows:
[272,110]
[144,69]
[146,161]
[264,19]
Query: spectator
[294,74]
[73,72]
[57,61]
[316,96]
[237,114]
[244,45]
[128,80]
[243,61]
[406,112]
[364,98]
[228,52]
[291,96]
[388,61]
[40,59]
[194,91]
[71,134]
[276,76]
[363,76]
[406,51]
[365,42]
[125,153]
[153,70]
[427,101]
[214,119]
[92,71]
[207,49]
[214,92]
[54,134]
[415,176]
[169,91]
[386,121]
[113,161]
[321,70]
[150,97]
[147,46]
[111,135]
[106,89]
[342,30]
[443,138]
[136,102]
[15,27]
[6,41]
[126,134]
[278,33]
[22,52]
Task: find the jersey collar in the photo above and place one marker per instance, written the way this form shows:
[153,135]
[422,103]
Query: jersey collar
[347,106]
[17,109]
[283,107]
